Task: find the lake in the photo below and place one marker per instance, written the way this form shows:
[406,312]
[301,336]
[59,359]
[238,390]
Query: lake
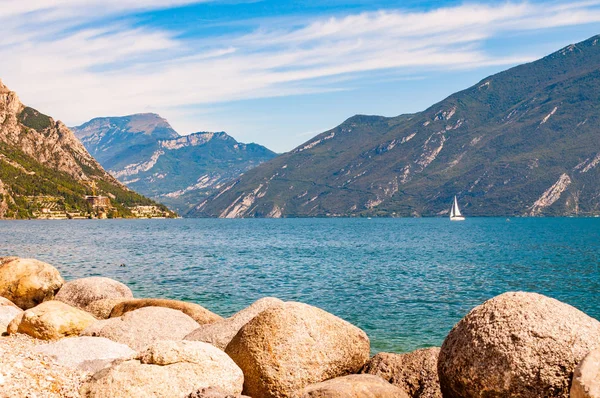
[406,282]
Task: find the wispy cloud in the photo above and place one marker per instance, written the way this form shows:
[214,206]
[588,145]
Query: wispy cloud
[90,9]
[76,69]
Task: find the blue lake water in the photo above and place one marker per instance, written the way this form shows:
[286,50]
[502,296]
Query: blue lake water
[406,282]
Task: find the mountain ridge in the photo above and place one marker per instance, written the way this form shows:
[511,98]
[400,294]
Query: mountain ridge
[501,146]
[144,152]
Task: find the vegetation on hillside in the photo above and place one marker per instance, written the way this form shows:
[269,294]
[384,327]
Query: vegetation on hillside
[523,142]
[26,179]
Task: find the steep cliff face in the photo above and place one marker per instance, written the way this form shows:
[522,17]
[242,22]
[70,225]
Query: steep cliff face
[145,153]
[523,142]
[49,142]
[41,160]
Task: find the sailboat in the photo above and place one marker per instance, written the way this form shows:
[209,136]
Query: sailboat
[455,214]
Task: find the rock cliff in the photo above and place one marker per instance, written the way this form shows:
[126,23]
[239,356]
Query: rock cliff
[46,171]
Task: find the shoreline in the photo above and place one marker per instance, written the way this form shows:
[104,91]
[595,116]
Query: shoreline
[76,324]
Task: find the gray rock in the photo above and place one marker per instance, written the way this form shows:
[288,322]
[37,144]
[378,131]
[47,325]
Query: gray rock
[4,302]
[195,311]
[353,386]
[7,314]
[140,328]
[287,347]
[89,354]
[415,372]
[81,292]
[101,309]
[168,369]
[516,345]
[586,380]
[220,333]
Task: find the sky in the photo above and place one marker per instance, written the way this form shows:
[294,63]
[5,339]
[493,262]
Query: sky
[274,72]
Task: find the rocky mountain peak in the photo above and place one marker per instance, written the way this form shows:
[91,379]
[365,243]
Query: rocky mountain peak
[148,125]
[3,88]
[42,138]
[46,171]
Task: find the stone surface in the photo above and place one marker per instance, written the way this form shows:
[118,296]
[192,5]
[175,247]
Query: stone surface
[28,282]
[195,311]
[88,354]
[220,333]
[25,373]
[7,314]
[51,320]
[4,302]
[287,347]
[586,380]
[168,369]
[140,328]
[353,386]
[517,345]
[101,309]
[213,392]
[415,372]
[82,292]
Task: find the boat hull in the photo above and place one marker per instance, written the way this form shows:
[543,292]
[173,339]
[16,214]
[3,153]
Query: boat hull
[457,219]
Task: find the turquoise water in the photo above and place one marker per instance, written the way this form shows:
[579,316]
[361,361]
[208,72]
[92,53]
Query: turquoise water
[404,281]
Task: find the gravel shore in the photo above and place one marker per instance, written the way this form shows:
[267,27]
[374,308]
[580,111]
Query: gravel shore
[26,374]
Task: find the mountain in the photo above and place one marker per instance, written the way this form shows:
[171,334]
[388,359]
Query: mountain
[145,153]
[45,172]
[522,142]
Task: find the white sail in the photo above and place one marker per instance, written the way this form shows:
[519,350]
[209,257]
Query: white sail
[456,210]
[455,214]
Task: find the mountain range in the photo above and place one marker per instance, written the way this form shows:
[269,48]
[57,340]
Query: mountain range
[522,142]
[144,152]
[45,172]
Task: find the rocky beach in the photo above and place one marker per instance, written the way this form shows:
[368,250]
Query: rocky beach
[90,337]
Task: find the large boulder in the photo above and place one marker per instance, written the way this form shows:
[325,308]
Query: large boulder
[89,354]
[586,380]
[287,347]
[8,312]
[353,386]
[220,333]
[168,369]
[139,328]
[195,311]
[516,345]
[101,309]
[415,372]
[81,292]
[51,320]
[28,282]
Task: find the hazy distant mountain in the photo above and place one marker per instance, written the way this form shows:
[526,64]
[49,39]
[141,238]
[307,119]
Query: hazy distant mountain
[145,153]
[523,142]
[45,171]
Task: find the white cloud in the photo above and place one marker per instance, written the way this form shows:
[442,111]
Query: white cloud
[74,72]
[85,8]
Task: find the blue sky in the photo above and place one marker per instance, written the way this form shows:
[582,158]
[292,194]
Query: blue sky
[272,72]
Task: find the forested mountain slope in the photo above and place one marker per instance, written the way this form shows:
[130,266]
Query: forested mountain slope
[522,142]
